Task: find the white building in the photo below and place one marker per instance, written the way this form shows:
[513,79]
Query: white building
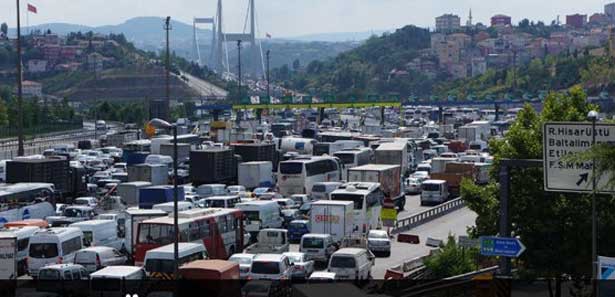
[448,23]
[32,88]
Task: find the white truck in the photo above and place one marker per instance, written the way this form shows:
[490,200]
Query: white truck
[389,177]
[270,241]
[8,256]
[332,217]
[393,153]
[255,174]
[130,191]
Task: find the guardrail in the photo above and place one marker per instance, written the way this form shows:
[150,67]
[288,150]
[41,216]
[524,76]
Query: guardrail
[423,217]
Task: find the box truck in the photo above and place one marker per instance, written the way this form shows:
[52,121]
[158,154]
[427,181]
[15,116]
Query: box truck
[393,153]
[332,217]
[130,191]
[255,174]
[157,174]
[389,177]
[8,256]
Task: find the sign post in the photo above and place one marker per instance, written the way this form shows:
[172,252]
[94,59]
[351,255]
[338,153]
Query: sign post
[501,246]
[561,139]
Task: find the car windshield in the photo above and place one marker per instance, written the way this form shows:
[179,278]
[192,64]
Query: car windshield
[43,250]
[312,243]
[377,235]
[241,260]
[72,212]
[291,168]
[265,267]
[48,274]
[342,262]
[319,188]
[357,199]
[431,187]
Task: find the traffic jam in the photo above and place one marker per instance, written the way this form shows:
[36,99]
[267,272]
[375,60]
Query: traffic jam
[284,200]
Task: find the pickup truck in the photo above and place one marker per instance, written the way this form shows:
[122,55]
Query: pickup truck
[270,241]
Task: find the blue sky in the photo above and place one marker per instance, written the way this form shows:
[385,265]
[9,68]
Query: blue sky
[283,18]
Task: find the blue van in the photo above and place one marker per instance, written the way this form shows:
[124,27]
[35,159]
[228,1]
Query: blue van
[297,228]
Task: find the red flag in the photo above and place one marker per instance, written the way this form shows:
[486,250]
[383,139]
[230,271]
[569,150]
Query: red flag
[32,8]
[268,35]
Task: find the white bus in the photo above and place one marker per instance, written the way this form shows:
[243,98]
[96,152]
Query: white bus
[23,201]
[297,176]
[367,198]
[353,158]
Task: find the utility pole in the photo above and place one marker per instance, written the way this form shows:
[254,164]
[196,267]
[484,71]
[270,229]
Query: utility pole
[238,118]
[167,28]
[268,81]
[593,117]
[20,136]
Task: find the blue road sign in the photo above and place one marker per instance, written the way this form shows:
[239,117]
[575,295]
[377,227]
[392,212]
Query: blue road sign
[501,246]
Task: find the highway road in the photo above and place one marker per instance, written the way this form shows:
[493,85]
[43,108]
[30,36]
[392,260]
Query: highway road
[204,88]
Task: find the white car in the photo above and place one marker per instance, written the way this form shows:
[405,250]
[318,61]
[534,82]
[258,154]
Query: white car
[245,264]
[87,201]
[235,190]
[412,185]
[378,241]
[271,267]
[302,267]
[420,174]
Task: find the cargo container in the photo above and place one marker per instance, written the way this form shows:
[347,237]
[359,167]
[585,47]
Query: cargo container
[134,157]
[453,174]
[213,165]
[55,171]
[149,196]
[183,151]
[250,152]
[130,191]
[389,177]
[393,153]
[332,217]
[157,174]
[255,174]
[296,144]
[438,164]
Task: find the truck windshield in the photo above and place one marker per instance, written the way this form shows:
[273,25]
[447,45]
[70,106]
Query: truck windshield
[312,243]
[251,215]
[43,250]
[265,267]
[357,199]
[291,168]
[346,158]
[342,262]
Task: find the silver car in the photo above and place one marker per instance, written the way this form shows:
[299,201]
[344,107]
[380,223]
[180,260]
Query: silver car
[245,263]
[378,241]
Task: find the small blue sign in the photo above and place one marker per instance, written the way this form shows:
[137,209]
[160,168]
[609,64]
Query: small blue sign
[501,246]
[26,214]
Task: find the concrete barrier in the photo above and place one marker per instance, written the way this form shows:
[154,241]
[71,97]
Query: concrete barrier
[423,217]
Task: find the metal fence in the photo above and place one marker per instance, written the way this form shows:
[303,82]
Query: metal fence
[6,132]
[425,216]
[8,150]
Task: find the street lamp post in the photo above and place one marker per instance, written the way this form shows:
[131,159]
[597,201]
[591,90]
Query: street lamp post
[158,123]
[167,28]
[593,117]
[238,118]
[20,136]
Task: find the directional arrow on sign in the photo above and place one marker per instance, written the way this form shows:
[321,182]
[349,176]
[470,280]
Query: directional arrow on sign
[501,246]
[584,177]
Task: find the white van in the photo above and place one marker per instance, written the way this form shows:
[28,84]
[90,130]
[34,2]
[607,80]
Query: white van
[352,264]
[260,214]
[434,191]
[99,233]
[23,234]
[159,262]
[169,206]
[317,247]
[98,257]
[55,245]
[321,190]
[117,281]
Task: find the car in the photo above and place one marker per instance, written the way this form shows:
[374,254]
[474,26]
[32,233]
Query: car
[60,208]
[270,196]
[87,201]
[97,257]
[63,279]
[412,185]
[235,190]
[302,267]
[245,263]
[420,174]
[378,241]
[271,267]
[300,199]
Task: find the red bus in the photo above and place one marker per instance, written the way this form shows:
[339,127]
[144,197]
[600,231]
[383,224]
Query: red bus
[220,230]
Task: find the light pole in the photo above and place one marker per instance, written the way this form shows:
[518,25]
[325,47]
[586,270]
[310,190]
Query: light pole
[593,117]
[238,119]
[150,130]
[20,137]
[167,28]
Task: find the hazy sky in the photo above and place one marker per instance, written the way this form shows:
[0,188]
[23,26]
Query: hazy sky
[284,18]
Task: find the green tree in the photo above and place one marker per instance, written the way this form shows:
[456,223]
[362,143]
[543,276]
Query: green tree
[553,226]
[451,260]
